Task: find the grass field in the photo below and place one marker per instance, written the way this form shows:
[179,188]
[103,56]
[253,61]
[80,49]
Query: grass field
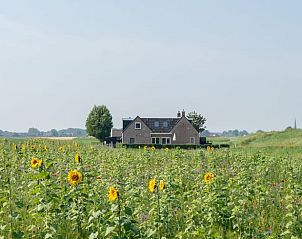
[252,190]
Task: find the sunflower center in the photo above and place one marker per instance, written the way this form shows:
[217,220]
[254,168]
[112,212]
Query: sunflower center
[75,177]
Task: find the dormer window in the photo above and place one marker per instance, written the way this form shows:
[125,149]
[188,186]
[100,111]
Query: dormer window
[156,124]
[138,125]
[165,124]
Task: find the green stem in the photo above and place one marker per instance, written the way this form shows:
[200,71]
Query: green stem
[10,206]
[78,211]
[119,218]
[158,212]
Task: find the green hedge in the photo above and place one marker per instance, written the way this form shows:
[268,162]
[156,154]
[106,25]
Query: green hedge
[172,146]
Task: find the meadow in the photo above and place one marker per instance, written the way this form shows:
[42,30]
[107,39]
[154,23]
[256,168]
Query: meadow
[80,189]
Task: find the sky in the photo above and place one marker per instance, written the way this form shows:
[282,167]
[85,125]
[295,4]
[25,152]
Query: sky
[238,63]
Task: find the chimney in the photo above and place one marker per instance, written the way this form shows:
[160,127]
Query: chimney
[178,114]
[183,113]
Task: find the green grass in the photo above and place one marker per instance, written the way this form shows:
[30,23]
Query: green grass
[287,138]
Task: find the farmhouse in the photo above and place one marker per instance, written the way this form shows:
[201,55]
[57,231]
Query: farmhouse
[164,131]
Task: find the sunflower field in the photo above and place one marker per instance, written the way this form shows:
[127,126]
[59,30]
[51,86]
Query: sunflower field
[56,189]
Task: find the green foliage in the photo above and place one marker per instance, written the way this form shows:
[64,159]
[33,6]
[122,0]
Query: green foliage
[198,121]
[286,138]
[253,194]
[99,122]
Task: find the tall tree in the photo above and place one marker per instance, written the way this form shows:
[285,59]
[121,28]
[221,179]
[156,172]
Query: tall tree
[99,122]
[198,121]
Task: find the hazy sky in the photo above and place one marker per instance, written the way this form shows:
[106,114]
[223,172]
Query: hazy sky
[239,63]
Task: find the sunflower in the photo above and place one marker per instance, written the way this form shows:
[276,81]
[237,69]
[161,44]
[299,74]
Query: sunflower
[152,185]
[35,162]
[162,185]
[15,147]
[210,149]
[74,177]
[77,158]
[112,194]
[208,177]
[45,147]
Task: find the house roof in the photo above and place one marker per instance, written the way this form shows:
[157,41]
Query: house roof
[156,125]
[160,125]
[126,123]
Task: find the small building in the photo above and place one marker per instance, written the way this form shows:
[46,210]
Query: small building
[116,137]
[160,131]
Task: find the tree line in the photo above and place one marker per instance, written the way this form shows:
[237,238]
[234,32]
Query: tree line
[34,132]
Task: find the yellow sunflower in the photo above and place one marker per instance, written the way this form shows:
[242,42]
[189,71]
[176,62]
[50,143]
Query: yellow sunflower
[74,177]
[77,158]
[162,185]
[210,149]
[152,185]
[112,194]
[45,147]
[35,162]
[208,177]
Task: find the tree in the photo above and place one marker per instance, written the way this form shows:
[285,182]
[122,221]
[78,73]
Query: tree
[99,122]
[33,132]
[198,121]
[54,133]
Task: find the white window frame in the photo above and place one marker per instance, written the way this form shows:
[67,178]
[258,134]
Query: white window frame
[159,140]
[191,140]
[138,123]
[166,140]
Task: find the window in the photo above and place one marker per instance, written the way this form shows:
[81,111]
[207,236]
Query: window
[192,140]
[155,140]
[138,125]
[156,124]
[166,140]
[131,141]
[165,124]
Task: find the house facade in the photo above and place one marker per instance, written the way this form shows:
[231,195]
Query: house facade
[165,131]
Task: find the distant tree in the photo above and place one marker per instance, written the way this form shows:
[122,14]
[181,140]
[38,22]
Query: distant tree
[33,132]
[235,132]
[54,133]
[198,121]
[243,133]
[99,122]
[205,133]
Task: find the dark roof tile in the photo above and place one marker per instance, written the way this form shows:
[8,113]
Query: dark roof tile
[164,125]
